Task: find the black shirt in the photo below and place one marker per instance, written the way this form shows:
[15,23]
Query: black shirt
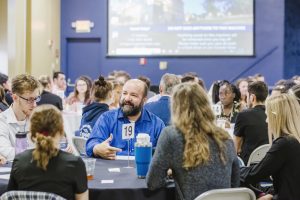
[49,98]
[8,97]
[65,175]
[252,127]
[282,162]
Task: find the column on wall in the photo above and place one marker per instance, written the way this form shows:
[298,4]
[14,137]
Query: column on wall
[16,36]
[3,37]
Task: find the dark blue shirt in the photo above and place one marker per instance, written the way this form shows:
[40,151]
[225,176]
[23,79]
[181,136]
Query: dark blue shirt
[112,121]
[90,115]
[161,109]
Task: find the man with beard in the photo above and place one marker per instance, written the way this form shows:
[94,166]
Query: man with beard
[251,129]
[106,137]
[15,120]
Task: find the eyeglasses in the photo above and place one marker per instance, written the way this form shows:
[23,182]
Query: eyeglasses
[31,100]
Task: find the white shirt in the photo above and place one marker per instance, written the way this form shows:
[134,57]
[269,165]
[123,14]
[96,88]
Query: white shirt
[9,127]
[154,98]
[59,92]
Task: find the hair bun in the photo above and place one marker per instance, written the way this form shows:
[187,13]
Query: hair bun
[101,81]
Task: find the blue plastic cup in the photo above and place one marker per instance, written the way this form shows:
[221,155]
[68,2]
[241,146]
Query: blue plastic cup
[143,157]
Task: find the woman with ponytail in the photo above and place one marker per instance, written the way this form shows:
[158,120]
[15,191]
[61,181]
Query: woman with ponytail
[200,154]
[101,99]
[46,168]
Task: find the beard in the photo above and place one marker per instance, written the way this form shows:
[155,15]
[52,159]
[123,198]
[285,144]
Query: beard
[129,109]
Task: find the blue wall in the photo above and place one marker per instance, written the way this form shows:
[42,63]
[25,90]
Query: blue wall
[292,38]
[268,59]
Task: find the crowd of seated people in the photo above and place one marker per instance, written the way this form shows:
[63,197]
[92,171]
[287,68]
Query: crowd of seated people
[185,107]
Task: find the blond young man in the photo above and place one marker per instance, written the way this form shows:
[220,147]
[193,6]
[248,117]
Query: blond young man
[14,120]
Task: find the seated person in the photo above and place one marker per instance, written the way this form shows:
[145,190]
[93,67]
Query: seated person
[47,97]
[106,137]
[59,84]
[117,90]
[46,168]
[200,154]
[251,129]
[229,97]
[14,120]
[282,161]
[147,80]
[101,99]
[81,94]
[242,85]
[161,108]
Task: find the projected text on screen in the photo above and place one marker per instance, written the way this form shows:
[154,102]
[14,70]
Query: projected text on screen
[180,28]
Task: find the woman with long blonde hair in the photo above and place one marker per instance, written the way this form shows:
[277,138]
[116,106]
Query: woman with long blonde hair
[47,168]
[282,161]
[200,154]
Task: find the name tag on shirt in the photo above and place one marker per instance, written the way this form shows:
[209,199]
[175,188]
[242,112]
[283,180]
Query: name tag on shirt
[217,109]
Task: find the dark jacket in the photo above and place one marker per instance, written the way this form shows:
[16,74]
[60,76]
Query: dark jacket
[50,98]
[3,106]
[8,97]
[90,114]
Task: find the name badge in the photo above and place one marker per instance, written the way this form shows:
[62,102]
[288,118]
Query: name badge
[217,109]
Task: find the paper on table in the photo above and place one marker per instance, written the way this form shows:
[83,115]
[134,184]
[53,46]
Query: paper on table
[5,176]
[114,169]
[5,169]
[107,181]
[125,158]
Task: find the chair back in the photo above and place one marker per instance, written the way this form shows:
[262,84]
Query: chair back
[241,162]
[228,194]
[79,144]
[258,154]
[29,195]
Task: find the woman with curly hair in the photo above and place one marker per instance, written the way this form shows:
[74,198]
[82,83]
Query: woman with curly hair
[229,97]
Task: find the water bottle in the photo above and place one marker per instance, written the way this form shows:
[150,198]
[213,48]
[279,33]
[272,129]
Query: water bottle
[21,143]
[143,154]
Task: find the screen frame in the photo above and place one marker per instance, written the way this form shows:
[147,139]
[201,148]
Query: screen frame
[178,55]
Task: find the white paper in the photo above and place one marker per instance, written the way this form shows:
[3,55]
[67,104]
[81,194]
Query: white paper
[127,131]
[5,176]
[107,181]
[114,169]
[125,158]
[5,169]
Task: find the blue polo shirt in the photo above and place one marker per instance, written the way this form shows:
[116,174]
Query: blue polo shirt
[112,121]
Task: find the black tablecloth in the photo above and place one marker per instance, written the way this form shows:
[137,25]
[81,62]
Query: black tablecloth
[126,184]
